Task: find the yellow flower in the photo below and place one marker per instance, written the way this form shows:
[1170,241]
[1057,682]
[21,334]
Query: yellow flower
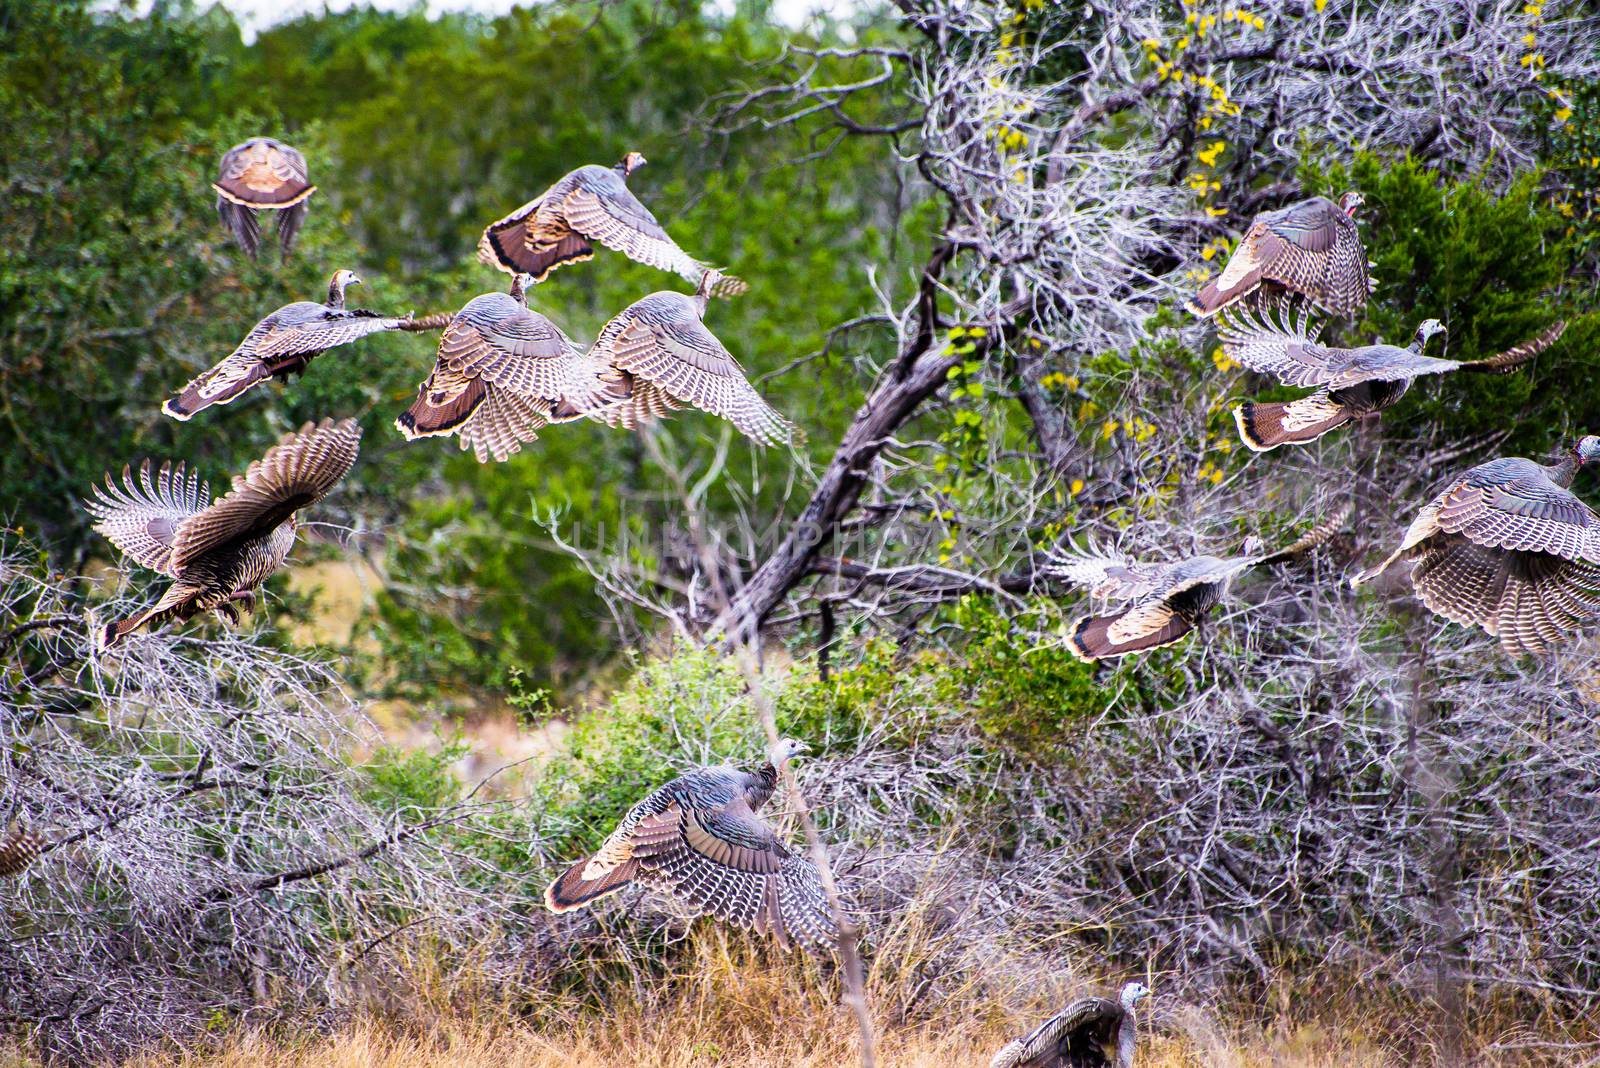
[1207,253]
[1223,361]
[1108,429]
[1530,39]
[1216,213]
[1563,114]
[1205,122]
[1532,10]
[1076,487]
[1209,155]
[1565,209]
[1320,4]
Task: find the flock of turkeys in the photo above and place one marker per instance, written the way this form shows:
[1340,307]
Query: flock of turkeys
[1506,547]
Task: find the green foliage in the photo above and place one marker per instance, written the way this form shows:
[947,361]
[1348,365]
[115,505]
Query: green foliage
[413,779]
[689,708]
[1028,696]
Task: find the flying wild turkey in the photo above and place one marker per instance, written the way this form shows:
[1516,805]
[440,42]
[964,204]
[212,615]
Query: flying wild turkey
[1165,601]
[1508,547]
[673,361]
[1351,383]
[700,838]
[219,552]
[502,372]
[590,204]
[262,174]
[1091,1033]
[19,849]
[1311,248]
[285,343]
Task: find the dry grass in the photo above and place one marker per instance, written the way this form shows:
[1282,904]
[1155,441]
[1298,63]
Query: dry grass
[732,1004]
[685,1042]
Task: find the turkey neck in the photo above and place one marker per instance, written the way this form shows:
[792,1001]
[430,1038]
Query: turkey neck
[1565,473]
[1127,1040]
[763,783]
[336,295]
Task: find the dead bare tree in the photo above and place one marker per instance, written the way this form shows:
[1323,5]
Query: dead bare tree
[209,845]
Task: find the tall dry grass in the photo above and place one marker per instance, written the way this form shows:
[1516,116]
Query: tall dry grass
[730,1002]
[663,1046]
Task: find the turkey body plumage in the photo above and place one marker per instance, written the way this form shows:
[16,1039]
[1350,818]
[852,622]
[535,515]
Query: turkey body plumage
[282,344]
[592,204]
[672,361]
[218,553]
[1507,547]
[1312,248]
[502,372]
[262,174]
[1165,602]
[1093,1032]
[700,839]
[1351,383]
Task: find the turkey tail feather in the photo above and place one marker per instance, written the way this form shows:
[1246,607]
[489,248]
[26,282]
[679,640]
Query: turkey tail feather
[115,632]
[1263,427]
[508,250]
[426,419]
[1091,638]
[1212,298]
[573,891]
